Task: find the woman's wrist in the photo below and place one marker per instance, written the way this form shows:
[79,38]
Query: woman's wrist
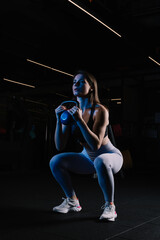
[79,121]
[58,120]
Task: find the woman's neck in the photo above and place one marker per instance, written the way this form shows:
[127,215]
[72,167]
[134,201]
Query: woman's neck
[84,103]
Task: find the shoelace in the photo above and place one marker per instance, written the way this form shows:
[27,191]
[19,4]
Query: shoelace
[106,205]
[66,201]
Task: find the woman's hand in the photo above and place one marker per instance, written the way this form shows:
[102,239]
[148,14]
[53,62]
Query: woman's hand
[59,110]
[76,113]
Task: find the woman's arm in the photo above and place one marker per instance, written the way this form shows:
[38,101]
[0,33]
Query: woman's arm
[95,136]
[61,132]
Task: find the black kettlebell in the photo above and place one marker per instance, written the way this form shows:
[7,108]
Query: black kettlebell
[66,117]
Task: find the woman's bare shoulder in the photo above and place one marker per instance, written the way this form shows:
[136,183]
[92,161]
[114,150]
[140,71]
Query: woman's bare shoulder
[101,108]
[101,112]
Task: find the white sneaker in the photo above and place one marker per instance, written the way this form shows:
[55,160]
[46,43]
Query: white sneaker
[109,212]
[68,205]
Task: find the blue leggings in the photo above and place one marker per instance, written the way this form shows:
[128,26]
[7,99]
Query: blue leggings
[106,161]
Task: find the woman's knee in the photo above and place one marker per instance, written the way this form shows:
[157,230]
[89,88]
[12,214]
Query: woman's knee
[99,163]
[55,162]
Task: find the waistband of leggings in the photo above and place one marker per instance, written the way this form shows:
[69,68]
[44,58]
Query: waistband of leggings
[107,148]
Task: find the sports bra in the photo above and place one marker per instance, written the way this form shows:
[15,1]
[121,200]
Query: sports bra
[76,132]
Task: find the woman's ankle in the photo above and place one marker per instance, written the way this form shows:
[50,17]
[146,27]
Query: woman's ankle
[74,197]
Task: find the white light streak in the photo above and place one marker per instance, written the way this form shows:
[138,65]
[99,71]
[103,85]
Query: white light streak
[95,18]
[116,99]
[154,60]
[53,69]
[26,85]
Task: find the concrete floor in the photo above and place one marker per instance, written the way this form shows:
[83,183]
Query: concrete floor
[27,200]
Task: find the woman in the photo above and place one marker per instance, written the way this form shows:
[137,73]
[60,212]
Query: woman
[90,123]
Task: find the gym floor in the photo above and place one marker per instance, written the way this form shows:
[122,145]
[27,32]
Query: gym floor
[27,200]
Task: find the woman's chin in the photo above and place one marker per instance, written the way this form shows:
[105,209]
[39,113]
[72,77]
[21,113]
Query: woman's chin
[76,94]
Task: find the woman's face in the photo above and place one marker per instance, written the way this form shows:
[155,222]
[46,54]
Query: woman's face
[80,86]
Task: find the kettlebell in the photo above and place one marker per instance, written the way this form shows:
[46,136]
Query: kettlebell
[66,117]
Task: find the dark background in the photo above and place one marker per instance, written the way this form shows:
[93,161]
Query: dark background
[58,34]
[61,36]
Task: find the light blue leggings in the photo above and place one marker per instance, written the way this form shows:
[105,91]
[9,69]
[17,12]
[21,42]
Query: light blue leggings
[106,161]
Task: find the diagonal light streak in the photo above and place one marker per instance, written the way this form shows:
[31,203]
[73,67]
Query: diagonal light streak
[20,83]
[91,15]
[53,69]
[154,60]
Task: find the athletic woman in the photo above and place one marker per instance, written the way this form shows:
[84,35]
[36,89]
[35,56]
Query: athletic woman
[99,155]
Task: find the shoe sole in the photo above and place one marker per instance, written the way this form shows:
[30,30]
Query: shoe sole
[74,209]
[108,219]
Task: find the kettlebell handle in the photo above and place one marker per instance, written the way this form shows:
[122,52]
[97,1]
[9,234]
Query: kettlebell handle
[66,117]
[70,101]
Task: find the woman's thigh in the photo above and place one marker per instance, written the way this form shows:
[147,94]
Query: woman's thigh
[74,162]
[112,160]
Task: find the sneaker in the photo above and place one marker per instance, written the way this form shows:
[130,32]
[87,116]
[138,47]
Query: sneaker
[109,212]
[68,205]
